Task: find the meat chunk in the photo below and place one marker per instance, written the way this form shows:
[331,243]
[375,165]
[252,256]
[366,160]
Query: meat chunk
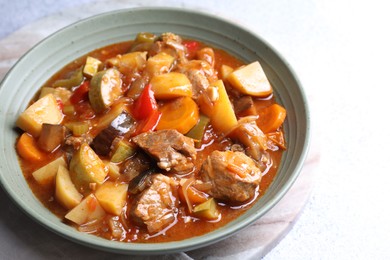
[76,141]
[200,73]
[233,175]
[244,106]
[171,44]
[206,54]
[171,149]
[156,205]
[198,81]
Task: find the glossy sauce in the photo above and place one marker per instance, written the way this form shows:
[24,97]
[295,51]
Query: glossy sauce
[186,226]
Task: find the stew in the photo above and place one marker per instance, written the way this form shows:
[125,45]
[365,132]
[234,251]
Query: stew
[152,140]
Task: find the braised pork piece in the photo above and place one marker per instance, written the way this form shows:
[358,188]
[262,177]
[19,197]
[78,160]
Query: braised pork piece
[152,140]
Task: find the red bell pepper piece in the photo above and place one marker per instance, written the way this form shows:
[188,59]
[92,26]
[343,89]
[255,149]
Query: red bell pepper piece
[192,48]
[81,93]
[148,124]
[145,105]
[145,110]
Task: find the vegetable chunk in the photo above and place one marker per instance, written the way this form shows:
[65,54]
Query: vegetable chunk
[159,63]
[207,209]
[66,193]
[75,79]
[44,110]
[52,136]
[121,125]
[28,149]
[88,210]
[251,80]
[105,88]
[225,71]
[171,85]
[46,175]
[222,117]
[271,118]
[154,139]
[86,168]
[123,150]
[181,114]
[129,62]
[198,130]
[91,66]
[112,196]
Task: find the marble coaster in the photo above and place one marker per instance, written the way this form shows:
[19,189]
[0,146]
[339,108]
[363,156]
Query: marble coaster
[32,241]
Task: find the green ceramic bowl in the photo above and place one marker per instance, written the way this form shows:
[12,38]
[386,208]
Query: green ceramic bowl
[50,55]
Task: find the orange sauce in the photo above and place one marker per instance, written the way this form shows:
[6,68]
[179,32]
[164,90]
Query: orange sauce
[183,228]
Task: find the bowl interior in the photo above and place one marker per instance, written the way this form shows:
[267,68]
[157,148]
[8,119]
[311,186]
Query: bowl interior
[50,55]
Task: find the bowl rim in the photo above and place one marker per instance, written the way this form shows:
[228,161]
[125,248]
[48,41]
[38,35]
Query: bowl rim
[175,246]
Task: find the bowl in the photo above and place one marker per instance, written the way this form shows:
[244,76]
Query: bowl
[57,50]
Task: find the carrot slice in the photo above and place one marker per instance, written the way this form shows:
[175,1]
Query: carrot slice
[181,114]
[195,196]
[271,118]
[28,148]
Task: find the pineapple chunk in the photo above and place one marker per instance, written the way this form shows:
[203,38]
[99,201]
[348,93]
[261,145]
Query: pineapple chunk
[47,174]
[171,85]
[89,209]
[112,196]
[66,192]
[222,116]
[159,63]
[44,110]
[251,80]
[86,168]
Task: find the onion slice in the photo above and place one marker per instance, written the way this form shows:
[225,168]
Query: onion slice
[185,184]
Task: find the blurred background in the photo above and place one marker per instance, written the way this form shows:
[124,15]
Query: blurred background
[340,52]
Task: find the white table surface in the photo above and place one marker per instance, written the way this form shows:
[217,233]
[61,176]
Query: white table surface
[340,51]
